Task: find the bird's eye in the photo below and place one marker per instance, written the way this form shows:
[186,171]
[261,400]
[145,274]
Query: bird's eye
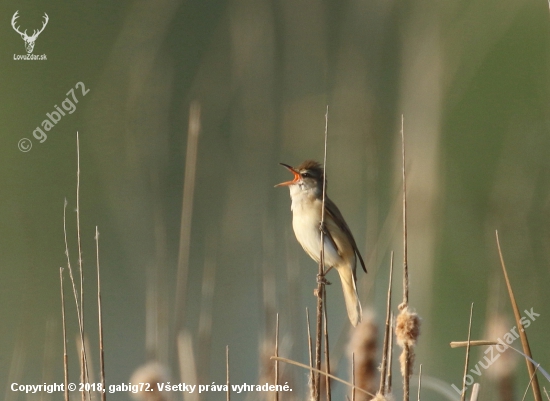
[306,175]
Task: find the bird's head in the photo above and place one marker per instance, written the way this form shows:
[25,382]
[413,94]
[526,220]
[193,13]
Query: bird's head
[308,176]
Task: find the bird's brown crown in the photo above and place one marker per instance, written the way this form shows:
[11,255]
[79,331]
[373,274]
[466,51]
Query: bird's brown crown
[312,166]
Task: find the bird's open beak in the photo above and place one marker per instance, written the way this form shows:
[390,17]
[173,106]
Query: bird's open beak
[296,176]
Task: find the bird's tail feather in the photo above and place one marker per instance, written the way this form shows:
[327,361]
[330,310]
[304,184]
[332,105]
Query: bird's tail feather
[353,305]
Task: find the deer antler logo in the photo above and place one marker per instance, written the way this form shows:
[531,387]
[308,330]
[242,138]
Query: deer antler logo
[29,40]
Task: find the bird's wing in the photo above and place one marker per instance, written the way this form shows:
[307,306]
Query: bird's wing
[332,209]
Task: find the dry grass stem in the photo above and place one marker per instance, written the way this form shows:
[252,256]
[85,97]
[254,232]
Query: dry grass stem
[65,356]
[84,368]
[463,394]
[545,392]
[320,372]
[387,334]
[390,359]
[419,380]
[100,320]
[405,250]
[277,354]
[522,333]
[540,369]
[320,276]
[75,292]
[327,354]
[473,343]
[475,392]
[310,351]
[89,364]
[187,211]
[407,356]
[530,381]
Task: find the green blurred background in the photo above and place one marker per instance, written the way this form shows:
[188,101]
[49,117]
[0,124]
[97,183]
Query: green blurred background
[470,78]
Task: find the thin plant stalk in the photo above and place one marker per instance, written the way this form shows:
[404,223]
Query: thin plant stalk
[419,381]
[473,343]
[276,361]
[390,359]
[309,348]
[320,276]
[463,395]
[406,350]
[100,322]
[530,381]
[475,392]
[75,293]
[522,334]
[458,344]
[387,333]
[327,355]
[84,368]
[405,250]
[65,355]
[301,365]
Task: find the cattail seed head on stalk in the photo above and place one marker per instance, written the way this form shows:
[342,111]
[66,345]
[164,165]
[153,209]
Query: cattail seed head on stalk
[362,345]
[407,330]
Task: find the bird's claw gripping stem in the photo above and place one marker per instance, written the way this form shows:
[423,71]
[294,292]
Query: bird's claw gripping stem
[322,280]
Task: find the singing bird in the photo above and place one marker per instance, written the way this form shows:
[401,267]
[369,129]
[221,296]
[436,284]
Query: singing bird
[340,249]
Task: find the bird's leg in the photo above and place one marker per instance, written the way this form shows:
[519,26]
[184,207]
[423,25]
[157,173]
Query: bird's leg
[323,228]
[321,277]
[321,280]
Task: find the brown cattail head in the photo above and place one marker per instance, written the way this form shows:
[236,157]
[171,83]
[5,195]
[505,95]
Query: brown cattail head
[407,330]
[407,327]
[150,373]
[362,346]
